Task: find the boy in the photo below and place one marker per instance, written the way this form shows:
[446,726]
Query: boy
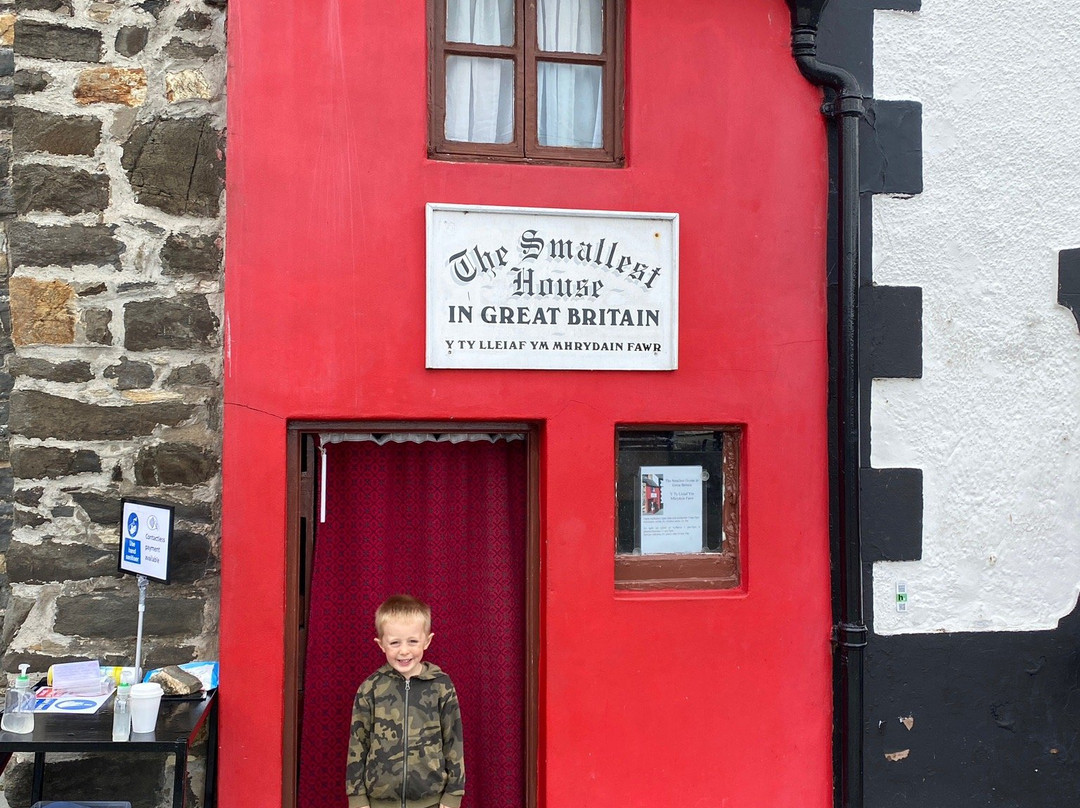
[406,748]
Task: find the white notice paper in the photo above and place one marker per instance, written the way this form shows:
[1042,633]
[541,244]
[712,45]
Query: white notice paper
[671,509]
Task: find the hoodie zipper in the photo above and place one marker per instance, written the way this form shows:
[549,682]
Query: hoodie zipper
[405,744]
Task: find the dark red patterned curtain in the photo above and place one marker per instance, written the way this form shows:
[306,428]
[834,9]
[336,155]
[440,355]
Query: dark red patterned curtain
[444,522]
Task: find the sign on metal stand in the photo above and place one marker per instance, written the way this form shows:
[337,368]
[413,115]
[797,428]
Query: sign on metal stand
[145,541]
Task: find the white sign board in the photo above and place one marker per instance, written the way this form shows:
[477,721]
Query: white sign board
[671,509]
[145,534]
[539,288]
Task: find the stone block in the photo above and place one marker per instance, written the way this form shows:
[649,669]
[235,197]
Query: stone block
[30,496]
[24,518]
[130,40]
[90,290]
[194,375]
[96,322]
[58,6]
[31,81]
[52,561]
[153,7]
[60,189]
[7,30]
[7,70]
[175,464]
[41,312]
[72,371]
[184,321]
[130,375]
[45,40]
[64,245]
[41,415]
[176,165]
[187,85]
[96,615]
[95,778]
[192,254]
[102,10]
[184,51]
[40,462]
[111,85]
[101,509]
[191,558]
[58,134]
[194,21]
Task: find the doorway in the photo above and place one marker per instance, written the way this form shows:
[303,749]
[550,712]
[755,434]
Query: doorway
[448,517]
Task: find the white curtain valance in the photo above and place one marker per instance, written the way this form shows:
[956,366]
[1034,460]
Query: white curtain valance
[382,438]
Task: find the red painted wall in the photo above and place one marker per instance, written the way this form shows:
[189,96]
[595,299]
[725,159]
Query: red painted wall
[689,700]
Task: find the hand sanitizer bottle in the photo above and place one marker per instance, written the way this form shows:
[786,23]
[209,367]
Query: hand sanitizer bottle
[121,716]
[19,705]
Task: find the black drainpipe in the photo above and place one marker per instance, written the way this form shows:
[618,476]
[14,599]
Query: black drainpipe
[849,634]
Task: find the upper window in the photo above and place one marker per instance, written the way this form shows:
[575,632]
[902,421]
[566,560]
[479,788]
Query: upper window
[527,80]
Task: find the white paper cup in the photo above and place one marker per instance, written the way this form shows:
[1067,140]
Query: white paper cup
[145,701]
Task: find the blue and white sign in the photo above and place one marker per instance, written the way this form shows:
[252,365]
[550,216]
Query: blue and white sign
[144,543]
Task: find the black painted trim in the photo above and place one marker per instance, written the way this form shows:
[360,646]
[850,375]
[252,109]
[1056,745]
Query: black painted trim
[892,515]
[1069,281]
[891,138]
[891,333]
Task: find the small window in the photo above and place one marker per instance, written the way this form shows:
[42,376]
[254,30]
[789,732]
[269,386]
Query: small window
[527,80]
[677,492]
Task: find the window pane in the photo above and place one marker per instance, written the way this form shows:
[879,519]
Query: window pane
[481,22]
[570,105]
[576,26]
[671,492]
[479,99]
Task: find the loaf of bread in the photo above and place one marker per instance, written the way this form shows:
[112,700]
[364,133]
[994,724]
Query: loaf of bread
[176,682]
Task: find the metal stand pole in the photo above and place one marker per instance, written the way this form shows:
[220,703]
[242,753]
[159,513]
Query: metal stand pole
[143,580]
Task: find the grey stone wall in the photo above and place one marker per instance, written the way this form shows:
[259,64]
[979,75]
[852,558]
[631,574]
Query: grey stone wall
[112,117]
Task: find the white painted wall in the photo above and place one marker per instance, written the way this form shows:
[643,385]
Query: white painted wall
[995,421]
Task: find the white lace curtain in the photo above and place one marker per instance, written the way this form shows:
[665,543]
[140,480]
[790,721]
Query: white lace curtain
[480,90]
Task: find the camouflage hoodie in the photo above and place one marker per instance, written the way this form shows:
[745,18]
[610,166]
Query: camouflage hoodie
[412,721]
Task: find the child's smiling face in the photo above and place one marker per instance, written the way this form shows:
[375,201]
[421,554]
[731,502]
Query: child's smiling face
[404,641]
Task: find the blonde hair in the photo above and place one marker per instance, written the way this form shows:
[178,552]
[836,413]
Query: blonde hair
[398,607]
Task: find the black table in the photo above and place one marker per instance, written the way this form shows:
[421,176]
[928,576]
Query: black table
[179,721]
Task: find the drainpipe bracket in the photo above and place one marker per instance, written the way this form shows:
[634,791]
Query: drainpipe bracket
[849,635]
[844,105]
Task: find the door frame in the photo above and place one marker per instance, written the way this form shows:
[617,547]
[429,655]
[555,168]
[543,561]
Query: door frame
[302,468]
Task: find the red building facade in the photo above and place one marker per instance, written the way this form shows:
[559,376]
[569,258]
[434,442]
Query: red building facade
[688,696]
